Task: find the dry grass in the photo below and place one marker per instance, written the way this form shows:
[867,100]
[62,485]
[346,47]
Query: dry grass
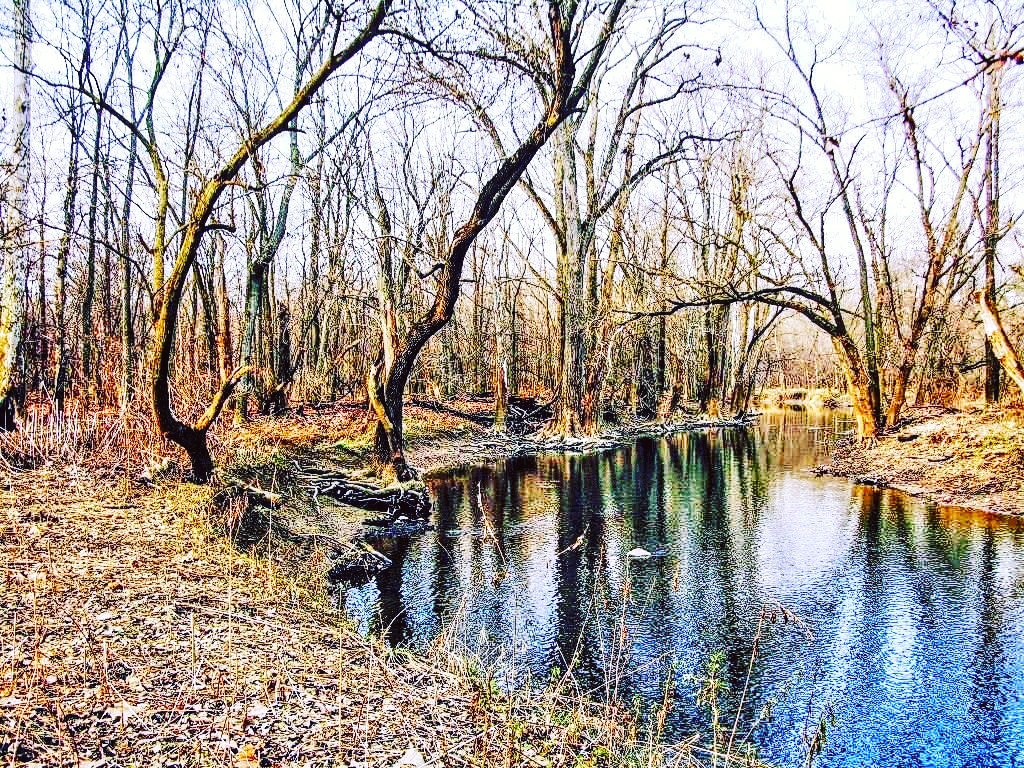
[101,439]
[134,633]
[972,459]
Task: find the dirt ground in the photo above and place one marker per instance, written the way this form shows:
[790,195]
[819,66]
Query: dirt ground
[972,458]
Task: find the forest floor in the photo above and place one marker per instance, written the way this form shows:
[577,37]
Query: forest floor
[972,458]
[134,631]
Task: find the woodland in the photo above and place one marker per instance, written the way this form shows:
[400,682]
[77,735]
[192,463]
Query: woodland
[218,210]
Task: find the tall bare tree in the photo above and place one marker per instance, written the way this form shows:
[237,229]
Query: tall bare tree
[15,217]
[560,90]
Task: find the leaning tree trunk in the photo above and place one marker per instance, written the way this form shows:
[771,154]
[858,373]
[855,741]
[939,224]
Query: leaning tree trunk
[1001,346]
[192,437]
[566,93]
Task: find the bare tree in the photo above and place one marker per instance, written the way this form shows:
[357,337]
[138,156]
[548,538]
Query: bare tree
[198,219]
[15,217]
[560,89]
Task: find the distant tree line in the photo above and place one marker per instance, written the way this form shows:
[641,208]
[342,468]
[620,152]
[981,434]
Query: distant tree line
[613,206]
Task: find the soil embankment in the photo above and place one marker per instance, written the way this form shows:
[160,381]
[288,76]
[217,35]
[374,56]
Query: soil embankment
[972,459]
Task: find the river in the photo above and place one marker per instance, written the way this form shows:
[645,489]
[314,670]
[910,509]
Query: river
[905,621]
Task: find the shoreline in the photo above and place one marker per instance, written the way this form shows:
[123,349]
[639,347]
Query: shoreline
[972,459]
[438,457]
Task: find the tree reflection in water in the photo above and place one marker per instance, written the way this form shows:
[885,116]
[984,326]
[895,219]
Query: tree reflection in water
[916,612]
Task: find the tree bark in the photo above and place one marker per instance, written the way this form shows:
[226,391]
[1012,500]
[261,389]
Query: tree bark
[16,224]
[859,386]
[1001,346]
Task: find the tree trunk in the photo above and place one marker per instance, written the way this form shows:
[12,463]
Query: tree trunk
[60,378]
[127,326]
[253,301]
[1000,342]
[870,374]
[88,343]
[500,393]
[13,255]
[386,402]
[859,386]
[991,227]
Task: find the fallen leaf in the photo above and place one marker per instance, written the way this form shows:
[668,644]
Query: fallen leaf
[248,757]
[123,711]
[411,759]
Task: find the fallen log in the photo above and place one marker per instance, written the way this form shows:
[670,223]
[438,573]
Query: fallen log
[359,566]
[433,405]
[258,495]
[410,499]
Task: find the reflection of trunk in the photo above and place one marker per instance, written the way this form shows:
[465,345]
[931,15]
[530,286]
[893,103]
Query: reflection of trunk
[859,385]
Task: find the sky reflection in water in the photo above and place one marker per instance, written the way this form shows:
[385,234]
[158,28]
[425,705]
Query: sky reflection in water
[916,613]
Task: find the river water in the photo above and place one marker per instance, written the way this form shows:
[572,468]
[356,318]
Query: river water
[909,628]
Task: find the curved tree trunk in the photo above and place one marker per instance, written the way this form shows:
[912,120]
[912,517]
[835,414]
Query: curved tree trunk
[566,94]
[192,438]
[996,335]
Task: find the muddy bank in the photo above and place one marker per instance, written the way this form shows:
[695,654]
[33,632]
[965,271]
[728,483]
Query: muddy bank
[444,455]
[972,459]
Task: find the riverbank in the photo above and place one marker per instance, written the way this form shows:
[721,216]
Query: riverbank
[142,623]
[436,440]
[135,633]
[277,454]
[972,458]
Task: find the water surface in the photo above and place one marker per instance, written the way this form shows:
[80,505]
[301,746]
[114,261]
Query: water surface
[911,616]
